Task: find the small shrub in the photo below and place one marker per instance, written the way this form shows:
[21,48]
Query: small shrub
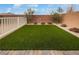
[35,23]
[63,25]
[43,23]
[49,22]
[74,30]
[57,18]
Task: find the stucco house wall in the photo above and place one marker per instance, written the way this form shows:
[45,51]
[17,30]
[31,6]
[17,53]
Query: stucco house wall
[71,19]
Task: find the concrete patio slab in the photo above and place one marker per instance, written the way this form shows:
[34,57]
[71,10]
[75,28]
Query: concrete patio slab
[38,52]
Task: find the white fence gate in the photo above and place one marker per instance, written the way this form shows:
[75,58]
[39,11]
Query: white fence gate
[10,24]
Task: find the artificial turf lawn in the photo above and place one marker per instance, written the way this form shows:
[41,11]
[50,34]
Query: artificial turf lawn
[39,37]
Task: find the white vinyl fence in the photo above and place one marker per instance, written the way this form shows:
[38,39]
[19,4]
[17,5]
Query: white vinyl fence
[10,24]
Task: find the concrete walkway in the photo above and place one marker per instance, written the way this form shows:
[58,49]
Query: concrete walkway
[38,52]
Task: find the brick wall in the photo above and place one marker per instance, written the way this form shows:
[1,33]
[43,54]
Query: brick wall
[42,18]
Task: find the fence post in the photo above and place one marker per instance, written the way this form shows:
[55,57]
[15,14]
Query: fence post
[1,25]
[18,21]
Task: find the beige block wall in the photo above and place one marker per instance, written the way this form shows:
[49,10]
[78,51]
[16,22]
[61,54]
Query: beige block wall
[71,19]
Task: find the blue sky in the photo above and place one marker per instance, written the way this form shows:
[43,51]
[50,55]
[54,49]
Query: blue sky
[39,8]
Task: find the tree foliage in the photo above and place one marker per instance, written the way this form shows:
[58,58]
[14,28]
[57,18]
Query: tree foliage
[57,16]
[59,10]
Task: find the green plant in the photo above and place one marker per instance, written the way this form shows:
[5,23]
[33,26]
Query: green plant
[56,18]
[64,25]
[49,22]
[35,23]
[57,15]
[43,23]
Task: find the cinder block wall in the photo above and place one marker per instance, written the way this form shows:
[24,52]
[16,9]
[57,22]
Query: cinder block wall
[71,19]
[42,18]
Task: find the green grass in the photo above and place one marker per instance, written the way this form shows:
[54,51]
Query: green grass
[39,37]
